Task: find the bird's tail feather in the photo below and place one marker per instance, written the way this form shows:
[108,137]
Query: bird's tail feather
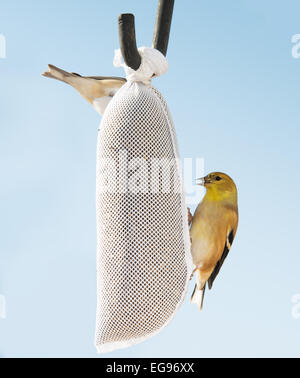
[59,74]
[198,297]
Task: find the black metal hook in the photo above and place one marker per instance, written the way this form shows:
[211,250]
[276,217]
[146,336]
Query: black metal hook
[163,25]
[128,41]
[162,29]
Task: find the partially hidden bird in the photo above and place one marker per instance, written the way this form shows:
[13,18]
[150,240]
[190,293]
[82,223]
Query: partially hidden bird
[213,229]
[97,90]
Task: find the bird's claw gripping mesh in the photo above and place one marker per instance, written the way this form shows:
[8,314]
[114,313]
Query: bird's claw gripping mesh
[143,262]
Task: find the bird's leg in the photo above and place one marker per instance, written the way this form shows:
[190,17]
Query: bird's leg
[190,220]
[190,217]
[192,275]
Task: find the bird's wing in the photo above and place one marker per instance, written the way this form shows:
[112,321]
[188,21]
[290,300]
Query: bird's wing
[228,244]
[105,78]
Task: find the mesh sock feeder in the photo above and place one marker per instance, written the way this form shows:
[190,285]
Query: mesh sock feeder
[143,259]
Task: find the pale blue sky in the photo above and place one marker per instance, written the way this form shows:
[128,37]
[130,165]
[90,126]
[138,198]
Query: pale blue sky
[233,90]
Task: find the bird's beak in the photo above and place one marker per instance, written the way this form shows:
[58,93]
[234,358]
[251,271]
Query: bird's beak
[201,181]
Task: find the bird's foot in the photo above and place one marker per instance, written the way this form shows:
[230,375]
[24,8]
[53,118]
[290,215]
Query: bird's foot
[190,217]
[192,275]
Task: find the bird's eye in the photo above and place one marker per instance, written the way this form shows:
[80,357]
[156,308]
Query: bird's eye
[218,178]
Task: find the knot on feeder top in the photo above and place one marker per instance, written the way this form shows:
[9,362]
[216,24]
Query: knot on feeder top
[153,64]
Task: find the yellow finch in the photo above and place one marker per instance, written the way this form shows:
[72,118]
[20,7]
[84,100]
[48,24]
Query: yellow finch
[213,229]
[97,90]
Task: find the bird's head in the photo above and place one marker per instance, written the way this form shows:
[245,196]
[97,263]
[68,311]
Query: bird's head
[219,186]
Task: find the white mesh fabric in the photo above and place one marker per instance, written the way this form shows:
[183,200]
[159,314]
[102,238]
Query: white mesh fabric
[143,262]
